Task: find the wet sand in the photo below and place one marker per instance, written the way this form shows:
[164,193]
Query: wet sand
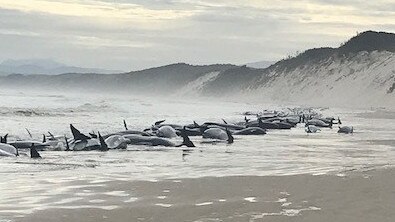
[353,196]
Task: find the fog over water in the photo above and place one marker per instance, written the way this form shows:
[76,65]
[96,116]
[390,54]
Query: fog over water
[279,152]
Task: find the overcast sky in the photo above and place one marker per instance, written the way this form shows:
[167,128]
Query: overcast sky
[136,34]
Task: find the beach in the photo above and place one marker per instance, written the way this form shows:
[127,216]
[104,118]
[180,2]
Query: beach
[285,175]
[366,195]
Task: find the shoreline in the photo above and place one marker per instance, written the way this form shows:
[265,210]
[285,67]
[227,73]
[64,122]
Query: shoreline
[354,196]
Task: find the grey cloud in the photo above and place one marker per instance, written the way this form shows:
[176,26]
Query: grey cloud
[220,33]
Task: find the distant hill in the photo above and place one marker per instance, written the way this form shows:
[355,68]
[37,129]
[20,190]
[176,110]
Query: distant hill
[369,41]
[260,64]
[158,81]
[44,66]
[360,72]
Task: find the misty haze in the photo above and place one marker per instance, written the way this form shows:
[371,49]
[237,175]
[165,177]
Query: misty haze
[176,110]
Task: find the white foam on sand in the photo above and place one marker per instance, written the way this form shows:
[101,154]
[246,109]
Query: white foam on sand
[251,199]
[130,200]
[285,212]
[97,201]
[117,193]
[204,204]
[281,200]
[163,205]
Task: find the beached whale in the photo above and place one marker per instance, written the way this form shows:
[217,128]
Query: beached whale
[222,125]
[218,134]
[166,132]
[250,131]
[262,124]
[312,129]
[127,131]
[8,150]
[154,141]
[148,141]
[158,141]
[82,142]
[318,123]
[116,142]
[26,144]
[159,124]
[215,133]
[346,129]
[190,131]
[331,120]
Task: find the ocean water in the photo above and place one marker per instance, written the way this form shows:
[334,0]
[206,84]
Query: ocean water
[279,152]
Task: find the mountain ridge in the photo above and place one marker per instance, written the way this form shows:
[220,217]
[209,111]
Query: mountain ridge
[46,67]
[338,76]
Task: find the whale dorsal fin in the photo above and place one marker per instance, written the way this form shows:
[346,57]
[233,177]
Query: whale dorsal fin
[33,152]
[103,144]
[51,135]
[159,122]
[125,125]
[247,120]
[224,121]
[67,143]
[230,137]
[77,134]
[195,124]
[186,141]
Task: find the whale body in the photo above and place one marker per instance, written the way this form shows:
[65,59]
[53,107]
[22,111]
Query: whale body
[8,150]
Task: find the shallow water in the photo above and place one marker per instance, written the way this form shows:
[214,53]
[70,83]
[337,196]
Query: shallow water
[284,152]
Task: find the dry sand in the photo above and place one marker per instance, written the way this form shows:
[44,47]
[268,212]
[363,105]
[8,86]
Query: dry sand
[356,196]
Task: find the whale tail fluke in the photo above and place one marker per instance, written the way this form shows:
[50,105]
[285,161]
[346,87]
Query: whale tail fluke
[77,134]
[125,125]
[246,120]
[93,135]
[4,138]
[339,121]
[34,153]
[230,137]
[103,144]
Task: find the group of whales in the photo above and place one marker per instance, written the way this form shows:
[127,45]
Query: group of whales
[160,133]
